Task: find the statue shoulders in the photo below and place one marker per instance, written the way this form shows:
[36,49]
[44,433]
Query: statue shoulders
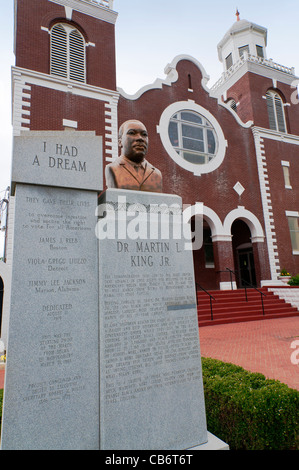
[118,161]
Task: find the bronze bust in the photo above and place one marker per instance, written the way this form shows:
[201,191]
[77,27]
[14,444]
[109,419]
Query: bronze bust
[131,170]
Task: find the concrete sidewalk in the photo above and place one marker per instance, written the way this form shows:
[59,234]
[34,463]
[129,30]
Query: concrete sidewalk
[270,347]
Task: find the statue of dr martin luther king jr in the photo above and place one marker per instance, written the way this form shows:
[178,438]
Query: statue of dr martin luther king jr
[131,170]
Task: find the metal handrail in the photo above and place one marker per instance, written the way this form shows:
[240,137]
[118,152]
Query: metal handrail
[211,297]
[230,272]
[250,285]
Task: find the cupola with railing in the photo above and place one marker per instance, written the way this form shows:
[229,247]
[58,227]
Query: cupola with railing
[245,42]
[102,3]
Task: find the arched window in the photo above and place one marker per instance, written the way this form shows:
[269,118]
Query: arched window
[67,53]
[275,111]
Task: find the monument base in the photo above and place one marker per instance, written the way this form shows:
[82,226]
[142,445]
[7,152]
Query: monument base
[214,443]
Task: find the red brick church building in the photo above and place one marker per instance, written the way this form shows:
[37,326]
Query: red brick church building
[233,147]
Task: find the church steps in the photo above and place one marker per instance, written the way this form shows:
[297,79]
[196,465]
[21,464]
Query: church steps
[232,307]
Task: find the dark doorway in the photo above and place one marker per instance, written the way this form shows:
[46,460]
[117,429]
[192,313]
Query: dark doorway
[246,267]
[243,254]
[204,267]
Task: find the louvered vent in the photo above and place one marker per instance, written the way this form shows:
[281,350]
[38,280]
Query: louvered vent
[67,53]
[271,111]
[77,56]
[59,51]
[275,112]
[279,114]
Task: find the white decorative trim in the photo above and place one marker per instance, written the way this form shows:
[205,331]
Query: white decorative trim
[292,213]
[22,76]
[275,135]
[172,77]
[256,230]
[234,114]
[265,283]
[20,91]
[239,188]
[260,66]
[69,123]
[162,129]
[61,84]
[266,202]
[111,138]
[221,238]
[228,285]
[93,9]
[221,232]
[68,12]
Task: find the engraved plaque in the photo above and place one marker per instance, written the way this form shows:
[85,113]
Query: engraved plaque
[64,159]
[151,378]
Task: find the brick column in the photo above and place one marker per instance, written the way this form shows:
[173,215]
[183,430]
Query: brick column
[261,262]
[224,258]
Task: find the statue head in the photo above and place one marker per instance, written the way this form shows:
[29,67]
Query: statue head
[133,140]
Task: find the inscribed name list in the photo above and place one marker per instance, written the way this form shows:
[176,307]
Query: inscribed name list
[52,369]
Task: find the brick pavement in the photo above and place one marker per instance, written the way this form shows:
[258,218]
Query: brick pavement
[260,346]
[2,372]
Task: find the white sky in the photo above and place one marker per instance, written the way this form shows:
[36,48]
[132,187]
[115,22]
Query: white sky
[150,33]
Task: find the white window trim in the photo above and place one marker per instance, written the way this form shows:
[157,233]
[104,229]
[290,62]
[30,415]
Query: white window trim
[69,123]
[274,98]
[162,129]
[294,214]
[286,165]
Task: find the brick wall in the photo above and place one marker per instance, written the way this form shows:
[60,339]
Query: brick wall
[33,43]
[215,189]
[283,199]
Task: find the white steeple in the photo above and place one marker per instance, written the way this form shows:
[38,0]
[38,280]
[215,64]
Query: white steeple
[243,36]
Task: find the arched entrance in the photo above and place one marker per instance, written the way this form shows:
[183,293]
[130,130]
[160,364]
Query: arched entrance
[1,301]
[243,254]
[236,244]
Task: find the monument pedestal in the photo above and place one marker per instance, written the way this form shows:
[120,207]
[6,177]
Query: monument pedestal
[52,372]
[151,392]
